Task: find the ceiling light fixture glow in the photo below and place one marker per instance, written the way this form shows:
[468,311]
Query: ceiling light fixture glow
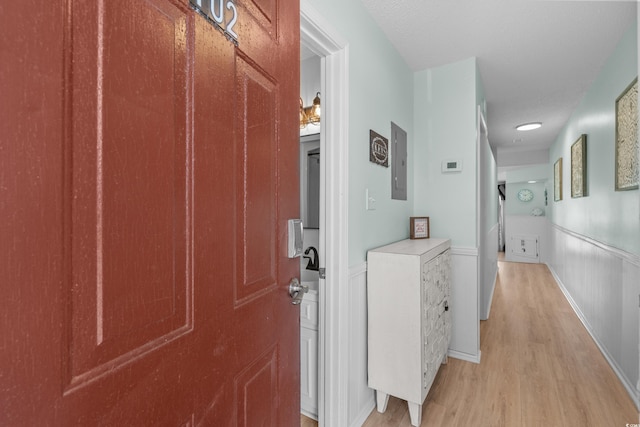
[528,126]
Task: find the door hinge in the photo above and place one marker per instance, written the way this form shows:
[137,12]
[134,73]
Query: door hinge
[321,273]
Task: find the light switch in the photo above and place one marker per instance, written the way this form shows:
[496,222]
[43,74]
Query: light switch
[370,200]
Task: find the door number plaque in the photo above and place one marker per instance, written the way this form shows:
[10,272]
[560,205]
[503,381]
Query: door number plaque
[214,12]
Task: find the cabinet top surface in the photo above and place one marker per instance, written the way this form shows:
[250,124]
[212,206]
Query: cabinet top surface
[414,247]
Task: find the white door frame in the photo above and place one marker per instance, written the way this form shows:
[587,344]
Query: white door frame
[320,37]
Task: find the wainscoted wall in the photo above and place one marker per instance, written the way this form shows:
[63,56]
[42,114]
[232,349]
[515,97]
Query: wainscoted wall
[465,304]
[361,397]
[602,284]
[489,271]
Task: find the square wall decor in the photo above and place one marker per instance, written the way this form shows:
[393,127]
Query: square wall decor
[579,167]
[378,149]
[557,180]
[627,138]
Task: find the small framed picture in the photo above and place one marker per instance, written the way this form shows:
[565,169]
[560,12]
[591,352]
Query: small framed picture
[579,167]
[627,169]
[557,180]
[378,149]
[419,227]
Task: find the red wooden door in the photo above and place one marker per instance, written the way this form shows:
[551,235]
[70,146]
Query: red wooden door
[147,170]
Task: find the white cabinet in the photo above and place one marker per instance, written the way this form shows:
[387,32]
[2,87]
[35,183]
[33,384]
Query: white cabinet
[409,319]
[309,354]
[523,248]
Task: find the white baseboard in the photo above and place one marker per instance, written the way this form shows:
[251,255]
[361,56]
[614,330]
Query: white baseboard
[364,413]
[308,414]
[493,288]
[465,356]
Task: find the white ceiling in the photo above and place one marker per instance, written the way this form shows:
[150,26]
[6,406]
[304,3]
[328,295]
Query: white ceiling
[536,58]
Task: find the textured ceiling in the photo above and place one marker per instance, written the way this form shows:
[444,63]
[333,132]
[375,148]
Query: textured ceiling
[536,58]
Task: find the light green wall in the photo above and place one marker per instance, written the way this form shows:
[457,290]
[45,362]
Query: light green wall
[445,128]
[608,216]
[380,92]
[513,206]
[518,179]
[531,173]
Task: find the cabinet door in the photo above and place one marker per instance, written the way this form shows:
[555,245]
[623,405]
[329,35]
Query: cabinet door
[524,247]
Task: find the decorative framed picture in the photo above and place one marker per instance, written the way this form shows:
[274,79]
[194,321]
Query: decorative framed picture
[579,167]
[419,227]
[627,138]
[378,149]
[557,180]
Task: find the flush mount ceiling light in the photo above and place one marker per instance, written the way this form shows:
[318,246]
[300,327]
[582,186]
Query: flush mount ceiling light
[528,126]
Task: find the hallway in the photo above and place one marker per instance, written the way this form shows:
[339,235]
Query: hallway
[539,367]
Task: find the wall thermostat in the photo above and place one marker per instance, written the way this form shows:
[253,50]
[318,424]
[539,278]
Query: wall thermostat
[452,166]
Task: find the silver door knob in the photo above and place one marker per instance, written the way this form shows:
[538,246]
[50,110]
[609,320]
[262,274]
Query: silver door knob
[297,290]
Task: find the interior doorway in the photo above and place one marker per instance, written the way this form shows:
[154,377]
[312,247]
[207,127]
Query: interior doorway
[317,35]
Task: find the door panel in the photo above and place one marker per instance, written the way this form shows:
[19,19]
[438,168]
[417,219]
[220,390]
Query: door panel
[148,167]
[256,156]
[129,283]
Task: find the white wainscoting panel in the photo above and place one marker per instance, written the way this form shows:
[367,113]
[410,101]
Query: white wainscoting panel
[465,305]
[489,272]
[361,399]
[602,284]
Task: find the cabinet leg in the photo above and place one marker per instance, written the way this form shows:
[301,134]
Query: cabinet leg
[415,412]
[382,399]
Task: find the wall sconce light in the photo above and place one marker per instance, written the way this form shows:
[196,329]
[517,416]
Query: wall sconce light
[310,115]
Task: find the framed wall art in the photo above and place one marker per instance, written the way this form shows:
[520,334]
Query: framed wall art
[378,149]
[419,227]
[627,138]
[557,180]
[579,167]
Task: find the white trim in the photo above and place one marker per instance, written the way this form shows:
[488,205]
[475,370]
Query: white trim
[361,397]
[358,269]
[481,125]
[465,356]
[457,250]
[308,414]
[627,256]
[634,393]
[364,413]
[493,234]
[318,35]
[493,288]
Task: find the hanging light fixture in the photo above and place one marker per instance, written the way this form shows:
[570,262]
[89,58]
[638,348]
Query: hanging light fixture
[303,116]
[310,115]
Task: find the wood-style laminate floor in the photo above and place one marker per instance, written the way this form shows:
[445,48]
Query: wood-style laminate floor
[307,422]
[539,367]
